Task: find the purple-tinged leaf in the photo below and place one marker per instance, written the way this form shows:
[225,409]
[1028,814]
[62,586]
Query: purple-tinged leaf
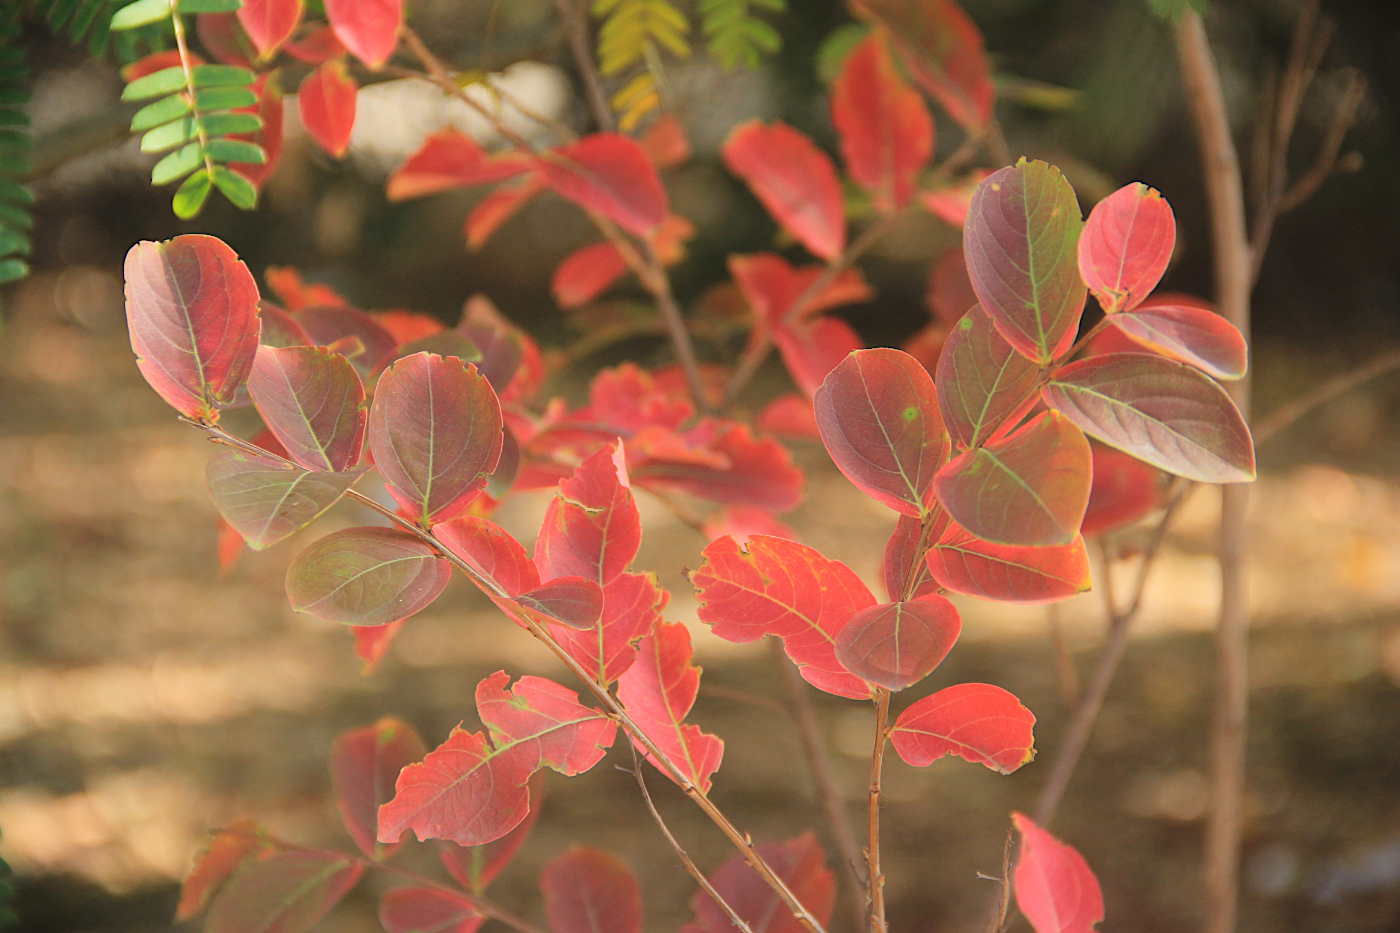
[221,856]
[983,384]
[800,863]
[902,560]
[280,329]
[575,602]
[979,722]
[1126,245]
[1028,489]
[1191,333]
[365,763]
[1164,413]
[1020,239]
[896,645]
[331,325]
[286,892]
[590,891]
[267,501]
[366,576]
[428,910]
[313,401]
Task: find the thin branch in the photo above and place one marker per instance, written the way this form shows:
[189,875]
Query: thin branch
[875,876]
[690,866]
[575,20]
[1328,162]
[1289,413]
[1065,672]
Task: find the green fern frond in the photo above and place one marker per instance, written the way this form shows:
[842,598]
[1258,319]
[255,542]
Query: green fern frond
[193,114]
[631,34]
[90,21]
[15,217]
[736,36]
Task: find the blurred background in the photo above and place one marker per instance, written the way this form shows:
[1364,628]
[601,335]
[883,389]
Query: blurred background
[144,698]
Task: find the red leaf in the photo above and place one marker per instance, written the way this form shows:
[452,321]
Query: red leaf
[435,433]
[280,329]
[944,52]
[492,552]
[611,174]
[740,522]
[472,791]
[756,471]
[156,61]
[1125,490]
[591,528]
[1029,489]
[576,602]
[294,293]
[228,546]
[779,587]
[950,203]
[795,181]
[632,604]
[451,159]
[950,293]
[590,891]
[628,399]
[902,553]
[665,142]
[327,103]
[812,349]
[223,855]
[978,722]
[886,131]
[338,325]
[409,326]
[898,644]
[366,576]
[498,206]
[1021,235]
[266,501]
[313,401]
[1161,412]
[428,910]
[364,765]
[1126,245]
[879,419]
[790,415]
[269,23]
[369,28]
[658,691]
[286,892]
[800,863]
[984,385]
[964,563]
[192,310]
[224,39]
[269,136]
[372,643]
[772,286]
[1055,888]
[475,867]
[317,46]
[586,273]
[1190,332]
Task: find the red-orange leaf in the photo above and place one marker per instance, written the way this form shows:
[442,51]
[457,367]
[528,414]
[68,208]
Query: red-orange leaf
[492,552]
[1124,491]
[369,28]
[1189,331]
[451,159]
[591,528]
[771,285]
[800,863]
[472,791]
[632,604]
[984,385]
[1055,888]
[435,432]
[590,891]
[317,46]
[665,141]
[286,892]
[902,553]
[366,576]
[611,174]
[943,50]
[1126,245]
[327,102]
[779,587]
[357,335]
[269,136]
[964,563]
[428,910]
[1028,489]
[794,179]
[365,763]
[898,644]
[372,643]
[979,722]
[789,415]
[886,131]
[878,416]
[739,468]
[475,867]
[812,349]
[950,293]
[658,691]
[313,401]
[221,856]
[192,311]
[586,273]
[498,206]
[269,23]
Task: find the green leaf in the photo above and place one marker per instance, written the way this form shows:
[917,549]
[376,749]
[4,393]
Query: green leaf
[170,135]
[235,150]
[266,501]
[141,13]
[239,190]
[12,270]
[14,192]
[14,243]
[13,96]
[83,20]
[190,198]
[227,124]
[177,165]
[162,111]
[59,12]
[209,6]
[13,118]
[1173,10]
[16,217]
[165,81]
[222,76]
[223,98]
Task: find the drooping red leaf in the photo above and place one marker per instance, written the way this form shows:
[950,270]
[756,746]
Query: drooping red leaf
[285,892]
[1028,489]
[586,273]
[317,46]
[795,181]
[435,433]
[979,722]
[886,131]
[800,863]
[984,385]
[491,551]
[1124,491]
[472,791]
[790,415]
[269,23]
[1126,245]
[365,763]
[268,136]
[1055,888]
[369,28]
[326,99]
[409,326]
[879,419]
[1165,413]
[451,159]
[366,576]
[1021,238]
[498,206]
[943,50]
[267,501]
[314,402]
[779,587]
[341,326]
[665,141]
[372,643]
[658,691]
[428,910]
[898,644]
[222,855]
[475,867]
[964,563]
[575,602]
[747,470]
[611,174]
[192,312]
[772,287]
[589,891]
[1190,332]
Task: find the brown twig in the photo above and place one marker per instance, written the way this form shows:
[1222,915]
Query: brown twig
[1065,672]
[1328,162]
[875,883]
[1289,413]
[576,26]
